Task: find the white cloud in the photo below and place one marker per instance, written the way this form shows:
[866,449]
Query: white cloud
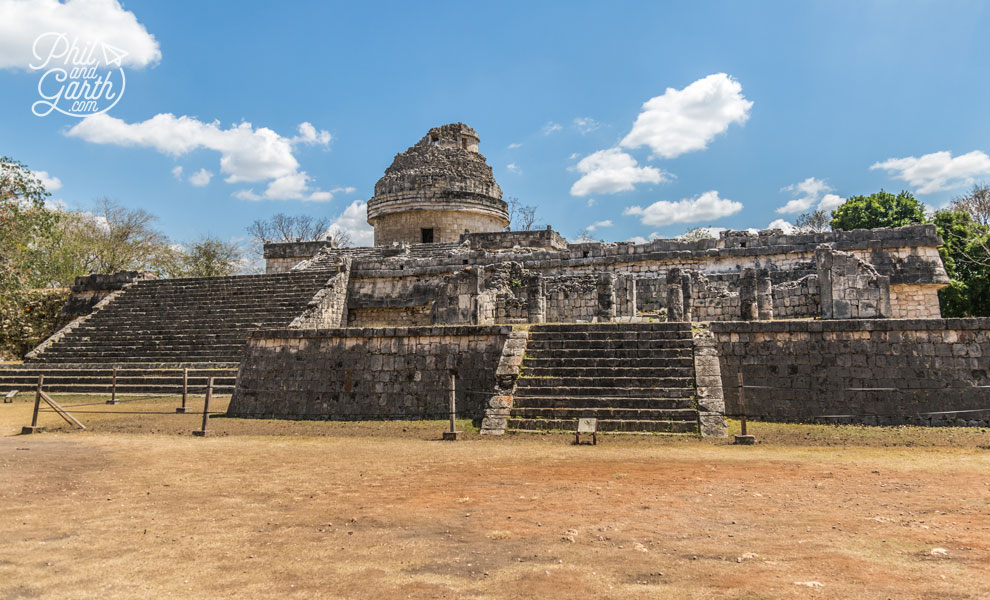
[786,226]
[354,221]
[706,207]
[682,121]
[86,21]
[591,202]
[309,135]
[573,155]
[809,192]
[514,168]
[937,171]
[551,127]
[320,197]
[246,154]
[177,172]
[201,178]
[611,171]
[514,145]
[831,202]
[600,225]
[586,125]
[50,182]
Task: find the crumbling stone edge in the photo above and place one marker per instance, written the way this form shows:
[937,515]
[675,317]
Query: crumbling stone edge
[509,366]
[708,383]
[61,333]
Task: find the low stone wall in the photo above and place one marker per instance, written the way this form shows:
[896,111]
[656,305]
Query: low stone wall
[818,370]
[362,374]
[280,257]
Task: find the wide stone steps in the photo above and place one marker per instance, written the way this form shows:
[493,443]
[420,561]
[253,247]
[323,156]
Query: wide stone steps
[607,345]
[610,413]
[604,402]
[550,361]
[632,377]
[520,425]
[567,353]
[182,320]
[595,383]
[608,372]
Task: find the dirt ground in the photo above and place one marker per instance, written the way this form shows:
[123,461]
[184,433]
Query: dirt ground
[136,507]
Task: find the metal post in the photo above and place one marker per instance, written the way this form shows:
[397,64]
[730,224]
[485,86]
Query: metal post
[206,409]
[452,434]
[34,428]
[113,388]
[743,439]
[185,391]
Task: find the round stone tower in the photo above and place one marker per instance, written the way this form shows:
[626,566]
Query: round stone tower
[437,190]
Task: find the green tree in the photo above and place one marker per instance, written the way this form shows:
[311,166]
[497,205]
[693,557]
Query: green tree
[966,255]
[881,209]
[24,219]
[211,257]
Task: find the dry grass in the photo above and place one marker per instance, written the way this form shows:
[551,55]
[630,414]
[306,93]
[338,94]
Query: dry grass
[138,508]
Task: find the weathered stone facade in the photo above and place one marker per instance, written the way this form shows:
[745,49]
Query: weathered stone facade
[879,273]
[353,374]
[875,371]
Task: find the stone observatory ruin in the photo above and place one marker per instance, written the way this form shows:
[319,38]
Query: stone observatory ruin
[539,332]
[437,190]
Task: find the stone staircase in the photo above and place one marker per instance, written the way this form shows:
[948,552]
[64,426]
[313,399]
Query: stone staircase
[186,320]
[156,328]
[632,377]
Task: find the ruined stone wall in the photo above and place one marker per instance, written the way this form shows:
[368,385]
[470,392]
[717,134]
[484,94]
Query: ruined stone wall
[281,257]
[580,299]
[393,373]
[815,369]
[797,299]
[914,302]
[507,240]
[850,288]
[447,225]
[714,299]
[329,307]
[395,316]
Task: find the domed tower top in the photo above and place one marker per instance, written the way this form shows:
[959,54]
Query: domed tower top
[436,190]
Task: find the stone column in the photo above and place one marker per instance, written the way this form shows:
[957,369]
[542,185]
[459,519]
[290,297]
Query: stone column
[749,309]
[764,295]
[675,295]
[536,299]
[606,298]
[686,278]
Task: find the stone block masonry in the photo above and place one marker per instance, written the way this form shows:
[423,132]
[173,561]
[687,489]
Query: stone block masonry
[872,371]
[362,374]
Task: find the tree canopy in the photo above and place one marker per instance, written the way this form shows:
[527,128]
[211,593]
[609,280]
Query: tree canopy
[881,209]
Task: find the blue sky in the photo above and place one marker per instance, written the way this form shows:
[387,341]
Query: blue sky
[647,119]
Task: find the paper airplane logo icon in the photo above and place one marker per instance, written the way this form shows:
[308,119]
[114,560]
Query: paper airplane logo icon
[112,55]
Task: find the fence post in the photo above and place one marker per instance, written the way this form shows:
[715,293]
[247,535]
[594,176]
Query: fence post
[185,391]
[452,434]
[744,439]
[34,428]
[206,409]
[113,388]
